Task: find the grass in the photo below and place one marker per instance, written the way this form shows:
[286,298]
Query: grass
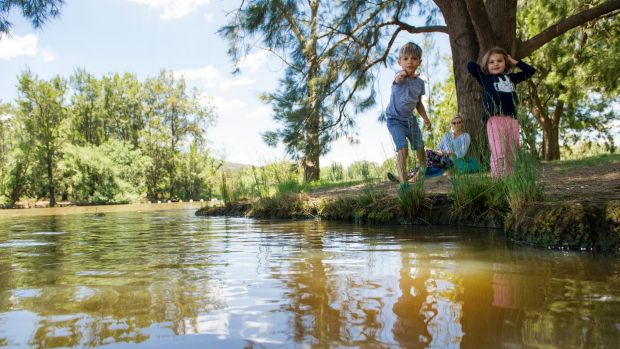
[524,185]
[597,160]
[477,197]
[411,198]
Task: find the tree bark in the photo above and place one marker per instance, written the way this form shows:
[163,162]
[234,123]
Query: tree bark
[550,126]
[465,48]
[551,150]
[312,152]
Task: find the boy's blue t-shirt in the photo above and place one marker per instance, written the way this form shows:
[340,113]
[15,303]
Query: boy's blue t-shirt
[404,98]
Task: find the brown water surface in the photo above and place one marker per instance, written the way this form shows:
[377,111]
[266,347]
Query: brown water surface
[161,279]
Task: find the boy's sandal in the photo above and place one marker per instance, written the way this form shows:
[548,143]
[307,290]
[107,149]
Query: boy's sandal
[392,178]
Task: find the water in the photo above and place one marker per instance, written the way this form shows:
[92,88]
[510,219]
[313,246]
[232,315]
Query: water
[161,279]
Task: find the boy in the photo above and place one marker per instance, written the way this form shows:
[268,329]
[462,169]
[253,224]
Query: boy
[407,90]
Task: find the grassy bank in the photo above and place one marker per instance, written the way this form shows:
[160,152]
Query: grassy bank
[531,204]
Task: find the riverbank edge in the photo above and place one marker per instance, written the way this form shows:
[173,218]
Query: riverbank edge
[565,225]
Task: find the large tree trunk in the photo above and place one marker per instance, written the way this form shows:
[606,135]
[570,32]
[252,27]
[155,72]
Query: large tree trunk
[312,153]
[551,131]
[465,48]
[550,147]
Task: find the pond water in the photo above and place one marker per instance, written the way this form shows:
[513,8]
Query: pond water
[157,279]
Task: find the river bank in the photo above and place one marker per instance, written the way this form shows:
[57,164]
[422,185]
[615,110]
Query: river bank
[580,209]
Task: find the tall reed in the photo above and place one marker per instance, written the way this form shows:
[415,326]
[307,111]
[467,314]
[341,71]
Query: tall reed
[523,185]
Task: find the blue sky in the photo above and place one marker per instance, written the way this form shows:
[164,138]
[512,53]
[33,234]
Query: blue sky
[145,36]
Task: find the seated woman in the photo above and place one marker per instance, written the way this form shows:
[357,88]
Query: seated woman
[451,152]
[452,148]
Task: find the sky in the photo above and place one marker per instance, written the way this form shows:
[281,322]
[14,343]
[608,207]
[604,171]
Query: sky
[145,36]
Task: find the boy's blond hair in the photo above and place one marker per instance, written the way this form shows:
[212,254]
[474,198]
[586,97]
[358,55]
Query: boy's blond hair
[487,55]
[410,49]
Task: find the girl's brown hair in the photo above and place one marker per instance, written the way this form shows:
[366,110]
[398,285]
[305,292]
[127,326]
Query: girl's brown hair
[487,55]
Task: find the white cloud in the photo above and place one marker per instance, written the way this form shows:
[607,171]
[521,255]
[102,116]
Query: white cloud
[172,9]
[251,63]
[12,46]
[209,74]
[261,114]
[228,105]
[211,77]
[48,56]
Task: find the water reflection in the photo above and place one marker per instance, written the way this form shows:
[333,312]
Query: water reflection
[162,279]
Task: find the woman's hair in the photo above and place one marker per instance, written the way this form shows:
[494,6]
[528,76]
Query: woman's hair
[487,55]
[457,116]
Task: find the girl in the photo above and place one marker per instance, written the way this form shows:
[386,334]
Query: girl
[499,104]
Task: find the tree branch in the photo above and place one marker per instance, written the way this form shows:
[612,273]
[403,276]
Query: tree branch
[416,30]
[482,25]
[540,112]
[524,49]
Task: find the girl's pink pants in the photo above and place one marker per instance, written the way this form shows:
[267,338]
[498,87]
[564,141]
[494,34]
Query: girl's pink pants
[503,134]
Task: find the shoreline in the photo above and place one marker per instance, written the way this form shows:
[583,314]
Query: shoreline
[97,209]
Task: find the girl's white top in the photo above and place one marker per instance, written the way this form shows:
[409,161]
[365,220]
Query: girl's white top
[458,145]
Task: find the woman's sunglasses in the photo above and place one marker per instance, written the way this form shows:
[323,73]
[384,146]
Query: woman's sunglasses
[456,122]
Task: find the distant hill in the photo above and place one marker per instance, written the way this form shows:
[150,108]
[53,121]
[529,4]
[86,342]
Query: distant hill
[233,166]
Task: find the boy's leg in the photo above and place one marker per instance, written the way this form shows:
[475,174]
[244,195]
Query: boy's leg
[401,164]
[399,132]
[415,137]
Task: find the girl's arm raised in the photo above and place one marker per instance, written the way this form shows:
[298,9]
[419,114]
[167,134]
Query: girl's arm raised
[526,72]
[475,71]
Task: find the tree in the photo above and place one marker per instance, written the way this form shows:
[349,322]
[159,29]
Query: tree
[573,87]
[474,26]
[6,115]
[43,113]
[37,11]
[173,117]
[328,50]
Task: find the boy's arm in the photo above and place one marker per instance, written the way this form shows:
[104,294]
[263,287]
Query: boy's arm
[400,77]
[422,111]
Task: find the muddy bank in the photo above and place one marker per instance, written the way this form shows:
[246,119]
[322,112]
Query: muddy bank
[572,225]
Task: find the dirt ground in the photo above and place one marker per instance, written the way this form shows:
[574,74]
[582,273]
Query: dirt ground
[589,182]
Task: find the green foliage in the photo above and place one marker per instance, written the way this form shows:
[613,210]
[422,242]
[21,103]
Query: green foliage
[335,172]
[573,93]
[42,112]
[37,11]
[110,173]
[444,111]
[117,140]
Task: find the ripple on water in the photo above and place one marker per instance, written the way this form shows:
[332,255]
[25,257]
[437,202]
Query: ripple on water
[26,293]
[23,243]
[48,233]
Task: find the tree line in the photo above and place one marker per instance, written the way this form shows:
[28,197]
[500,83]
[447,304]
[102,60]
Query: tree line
[113,139]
